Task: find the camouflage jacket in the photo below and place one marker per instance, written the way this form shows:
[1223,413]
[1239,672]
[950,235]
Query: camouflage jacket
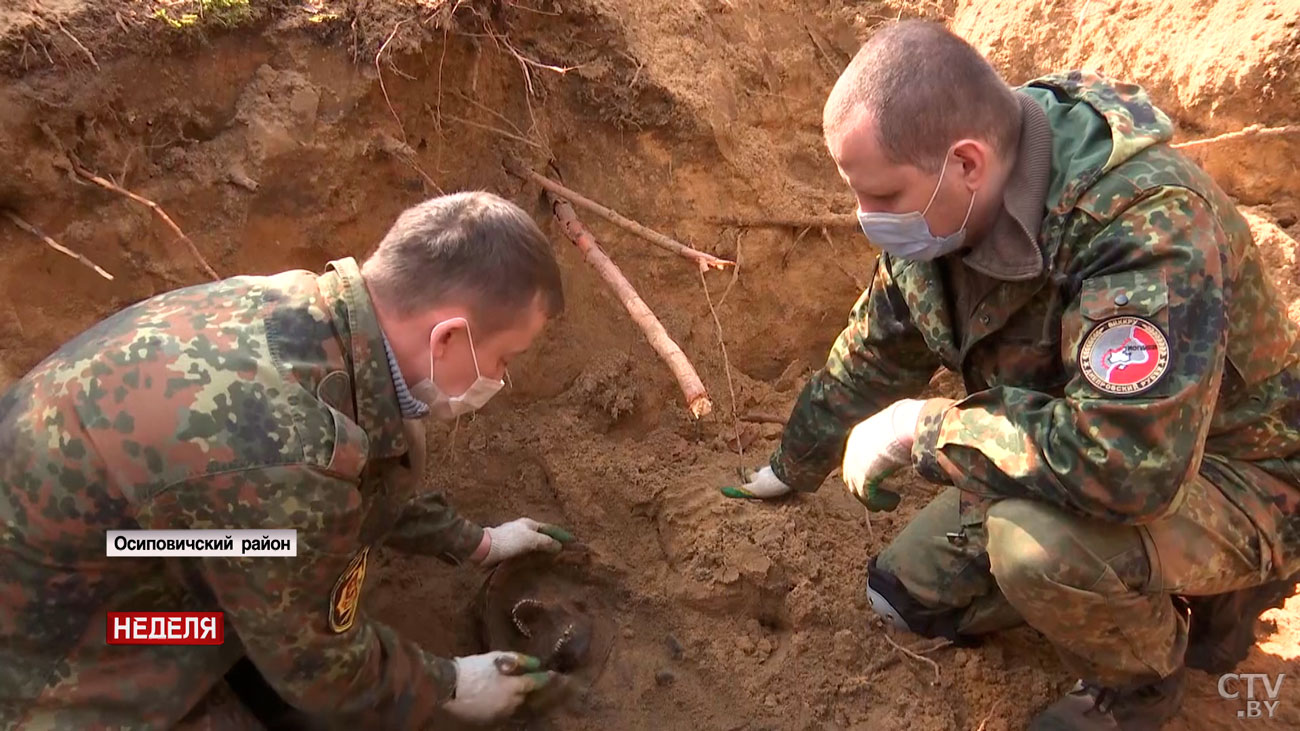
[1108,239]
[255,402]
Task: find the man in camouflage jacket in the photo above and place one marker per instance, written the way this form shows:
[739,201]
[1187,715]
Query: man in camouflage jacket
[264,403]
[1129,446]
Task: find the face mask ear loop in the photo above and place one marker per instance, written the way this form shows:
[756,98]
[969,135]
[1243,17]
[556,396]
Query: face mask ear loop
[937,185]
[472,353]
[432,333]
[969,208]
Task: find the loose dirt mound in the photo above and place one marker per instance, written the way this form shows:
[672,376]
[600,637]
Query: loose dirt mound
[284,137]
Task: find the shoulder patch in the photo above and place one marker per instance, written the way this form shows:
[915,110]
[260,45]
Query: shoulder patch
[1124,356]
[347,593]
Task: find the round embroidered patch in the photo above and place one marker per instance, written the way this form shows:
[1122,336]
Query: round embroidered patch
[1124,356]
[347,593]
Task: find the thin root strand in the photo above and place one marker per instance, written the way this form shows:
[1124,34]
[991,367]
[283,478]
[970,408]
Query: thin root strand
[726,364]
[382,87]
[29,228]
[157,209]
[554,188]
[1254,130]
[918,656]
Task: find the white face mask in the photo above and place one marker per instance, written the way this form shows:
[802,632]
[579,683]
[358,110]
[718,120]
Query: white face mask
[444,406]
[908,235]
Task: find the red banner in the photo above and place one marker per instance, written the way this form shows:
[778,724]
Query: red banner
[165,628]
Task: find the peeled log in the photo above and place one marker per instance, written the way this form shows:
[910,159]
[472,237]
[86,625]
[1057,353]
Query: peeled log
[697,399]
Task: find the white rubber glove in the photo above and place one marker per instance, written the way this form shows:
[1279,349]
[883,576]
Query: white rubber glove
[491,686]
[878,446]
[521,536]
[763,484]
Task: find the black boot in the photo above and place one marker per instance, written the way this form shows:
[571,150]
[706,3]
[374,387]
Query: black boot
[1090,707]
[1223,626]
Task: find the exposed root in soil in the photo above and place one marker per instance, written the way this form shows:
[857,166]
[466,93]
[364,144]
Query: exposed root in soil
[29,228]
[701,259]
[989,715]
[726,365]
[87,175]
[918,656]
[735,271]
[384,88]
[830,221]
[157,209]
[1255,130]
[80,45]
[697,399]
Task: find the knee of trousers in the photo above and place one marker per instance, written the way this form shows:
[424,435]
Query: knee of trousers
[890,599]
[1034,556]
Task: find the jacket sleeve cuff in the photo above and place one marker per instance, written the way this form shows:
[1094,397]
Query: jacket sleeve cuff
[468,543]
[799,477]
[925,449]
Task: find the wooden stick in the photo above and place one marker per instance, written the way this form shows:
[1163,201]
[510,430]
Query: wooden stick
[705,261]
[1254,130]
[157,209]
[829,221]
[29,228]
[697,399]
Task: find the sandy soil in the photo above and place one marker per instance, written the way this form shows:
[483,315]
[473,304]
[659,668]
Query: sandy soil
[272,142]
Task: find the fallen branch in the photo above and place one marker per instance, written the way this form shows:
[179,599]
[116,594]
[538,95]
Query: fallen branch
[157,209]
[29,228]
[831,221]
[703,260]
[697,399]
[1254,130]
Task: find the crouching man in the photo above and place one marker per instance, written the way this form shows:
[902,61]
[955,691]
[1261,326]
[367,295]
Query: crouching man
[1123,470]
[288,401]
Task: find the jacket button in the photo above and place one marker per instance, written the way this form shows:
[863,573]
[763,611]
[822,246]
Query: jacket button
[984,319]
[1121,299]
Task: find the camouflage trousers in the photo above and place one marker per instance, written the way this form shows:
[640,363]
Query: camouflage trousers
[1101,592]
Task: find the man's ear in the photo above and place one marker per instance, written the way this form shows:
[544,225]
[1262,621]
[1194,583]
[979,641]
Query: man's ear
[441,336]
[976,158]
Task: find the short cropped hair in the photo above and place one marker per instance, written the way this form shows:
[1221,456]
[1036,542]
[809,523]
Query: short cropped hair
[925,88]
[474,247]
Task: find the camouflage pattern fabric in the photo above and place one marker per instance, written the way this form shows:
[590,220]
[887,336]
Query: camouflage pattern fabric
[1148,235]
[1089,586]
[1060,479]
[255,402]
